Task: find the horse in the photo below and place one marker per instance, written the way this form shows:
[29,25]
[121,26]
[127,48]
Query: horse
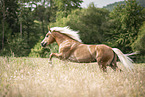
[71,48]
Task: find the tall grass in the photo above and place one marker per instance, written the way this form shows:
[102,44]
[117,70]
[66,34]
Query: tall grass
[34,77]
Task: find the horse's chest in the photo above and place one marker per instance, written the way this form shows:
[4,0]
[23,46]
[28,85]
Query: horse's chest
[64,47]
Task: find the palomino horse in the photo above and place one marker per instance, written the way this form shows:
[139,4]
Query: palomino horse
[71,48]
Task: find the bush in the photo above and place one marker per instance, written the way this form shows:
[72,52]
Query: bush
[39,51]
[139,44]
[16,46]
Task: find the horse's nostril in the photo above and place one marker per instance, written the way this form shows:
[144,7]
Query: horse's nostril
[43,44]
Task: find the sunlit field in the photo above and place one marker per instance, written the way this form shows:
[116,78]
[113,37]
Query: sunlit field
[34,77]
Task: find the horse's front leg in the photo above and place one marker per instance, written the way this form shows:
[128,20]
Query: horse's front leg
[56,55]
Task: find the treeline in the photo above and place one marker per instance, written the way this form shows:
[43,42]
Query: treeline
[24,24]
[110,7]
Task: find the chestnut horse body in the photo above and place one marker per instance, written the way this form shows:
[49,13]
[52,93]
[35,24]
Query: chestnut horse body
[71,48]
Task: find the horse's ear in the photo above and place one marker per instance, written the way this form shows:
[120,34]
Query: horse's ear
[48,28]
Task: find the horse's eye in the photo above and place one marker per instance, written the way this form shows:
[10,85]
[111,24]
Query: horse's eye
[47,35]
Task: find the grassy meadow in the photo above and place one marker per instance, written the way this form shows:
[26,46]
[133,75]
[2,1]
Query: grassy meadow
[34,77]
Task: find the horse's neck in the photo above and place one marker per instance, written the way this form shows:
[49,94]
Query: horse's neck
[60,38]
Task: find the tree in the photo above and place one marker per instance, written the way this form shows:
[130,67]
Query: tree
[18,27]
[2,5]
[141,2]
[124,24]
[89,22]
[9,18]
[139,44]
[66,6]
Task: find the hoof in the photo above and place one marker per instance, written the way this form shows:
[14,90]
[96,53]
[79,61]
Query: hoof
[50,62]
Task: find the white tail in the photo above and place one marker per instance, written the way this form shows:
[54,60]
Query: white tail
[126,61]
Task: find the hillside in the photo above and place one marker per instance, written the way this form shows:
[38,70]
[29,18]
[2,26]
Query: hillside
[141,2]
[110,7]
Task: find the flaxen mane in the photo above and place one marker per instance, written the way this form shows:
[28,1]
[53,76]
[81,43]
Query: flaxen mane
[66,30]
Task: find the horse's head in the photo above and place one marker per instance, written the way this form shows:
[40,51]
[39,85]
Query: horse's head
[48,39]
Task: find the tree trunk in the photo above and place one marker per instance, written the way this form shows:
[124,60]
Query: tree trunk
[21,28]
[51,4]
[3,22]
[20,19]
[43,27]
[3,31]
[65,10]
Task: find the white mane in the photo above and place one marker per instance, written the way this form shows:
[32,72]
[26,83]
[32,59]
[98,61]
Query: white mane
[67,31]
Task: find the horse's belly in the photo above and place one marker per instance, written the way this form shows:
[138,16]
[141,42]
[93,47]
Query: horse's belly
[83,58]
[83,53]
[72,58]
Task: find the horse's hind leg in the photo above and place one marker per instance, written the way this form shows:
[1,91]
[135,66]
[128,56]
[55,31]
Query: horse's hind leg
[102,65]
[115,67]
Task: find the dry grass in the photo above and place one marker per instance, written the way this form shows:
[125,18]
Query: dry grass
[34,77]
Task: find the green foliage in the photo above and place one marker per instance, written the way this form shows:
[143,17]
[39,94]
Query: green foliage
[39,51]
[140,58]
[89,22]
[65,6]
[139,44]
[112,6]
[20,44]
[16,47]
[10,9]
[42,14]
[124,23]
[24,24]
[7,34]
[141,2]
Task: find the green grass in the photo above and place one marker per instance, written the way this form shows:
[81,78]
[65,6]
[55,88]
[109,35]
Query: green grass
[34,77]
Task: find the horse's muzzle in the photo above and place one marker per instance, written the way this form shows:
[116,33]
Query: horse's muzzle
[43,44]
